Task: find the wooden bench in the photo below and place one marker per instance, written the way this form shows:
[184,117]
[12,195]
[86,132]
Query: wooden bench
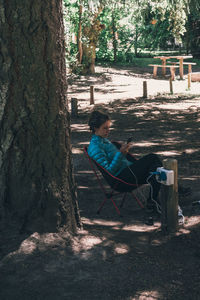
[189,64]
[172,69]
[195,76]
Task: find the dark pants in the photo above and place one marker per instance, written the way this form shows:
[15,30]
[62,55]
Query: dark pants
[141,169]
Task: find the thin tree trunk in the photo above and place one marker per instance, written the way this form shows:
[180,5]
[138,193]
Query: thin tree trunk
[79,42]
[91,32]
[36,182]
[136,42]
[114,37]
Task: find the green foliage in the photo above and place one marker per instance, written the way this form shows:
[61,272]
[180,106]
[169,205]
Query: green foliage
[192,37]
[71,27]
[132,26]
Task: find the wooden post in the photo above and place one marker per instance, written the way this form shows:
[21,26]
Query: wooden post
[171,85]
[163,68]
[172,71]
[181,68]
[155,68]
[189,80]
[91,94]
[144,89]
[189,68]
[74,107]
[169,200]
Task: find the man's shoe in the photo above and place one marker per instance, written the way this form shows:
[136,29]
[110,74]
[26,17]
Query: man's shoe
[149,221]
[181,219]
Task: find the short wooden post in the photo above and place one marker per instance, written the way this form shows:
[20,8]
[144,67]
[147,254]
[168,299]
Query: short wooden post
[163,68]
[155,68]
[171,85]
[144,89]
[169,200]
[74,107]
[189,80]
[172,71]
[181,67]
[189,68]
[91,94]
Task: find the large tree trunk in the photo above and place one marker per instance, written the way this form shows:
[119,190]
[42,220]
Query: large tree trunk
[36,181]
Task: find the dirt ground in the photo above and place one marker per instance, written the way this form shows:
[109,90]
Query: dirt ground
[116,257]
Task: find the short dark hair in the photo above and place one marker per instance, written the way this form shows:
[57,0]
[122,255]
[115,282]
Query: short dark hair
[97,118]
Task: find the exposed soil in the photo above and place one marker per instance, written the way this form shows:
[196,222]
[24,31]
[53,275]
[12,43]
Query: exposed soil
[116,257]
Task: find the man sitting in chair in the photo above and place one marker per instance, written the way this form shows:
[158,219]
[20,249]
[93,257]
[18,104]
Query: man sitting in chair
[117,161]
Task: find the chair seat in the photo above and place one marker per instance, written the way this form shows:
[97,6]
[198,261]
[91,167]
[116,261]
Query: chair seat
[116,184]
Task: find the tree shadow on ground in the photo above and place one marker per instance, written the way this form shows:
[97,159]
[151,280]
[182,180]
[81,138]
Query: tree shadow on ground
[169,126]
[113,257]
[109,259]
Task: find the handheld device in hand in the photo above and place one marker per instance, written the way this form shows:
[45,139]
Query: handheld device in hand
[129,140]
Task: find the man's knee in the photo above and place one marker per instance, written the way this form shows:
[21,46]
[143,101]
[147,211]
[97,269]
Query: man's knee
[155,159]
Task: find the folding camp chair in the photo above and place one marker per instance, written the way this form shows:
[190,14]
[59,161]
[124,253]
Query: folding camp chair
[117,185]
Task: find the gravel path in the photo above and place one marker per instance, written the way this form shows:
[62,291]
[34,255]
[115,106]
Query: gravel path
[113,84]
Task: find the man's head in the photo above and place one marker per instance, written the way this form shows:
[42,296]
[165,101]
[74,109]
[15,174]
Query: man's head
[99,123]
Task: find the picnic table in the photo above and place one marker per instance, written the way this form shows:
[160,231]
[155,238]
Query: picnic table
[178,57]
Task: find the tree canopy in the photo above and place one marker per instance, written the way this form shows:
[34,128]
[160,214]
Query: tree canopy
[120,30]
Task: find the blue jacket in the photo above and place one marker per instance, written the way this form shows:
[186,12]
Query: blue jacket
[107,155]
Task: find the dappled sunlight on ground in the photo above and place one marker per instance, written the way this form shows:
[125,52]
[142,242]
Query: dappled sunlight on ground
[79,127]
[77,151]
[85,243]
[146,295]
[168,153]
[139,227]
[101,222]
[169,126]
[112,257]
[123,85]
[121,249]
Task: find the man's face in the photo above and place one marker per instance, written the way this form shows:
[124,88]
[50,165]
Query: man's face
[104,129]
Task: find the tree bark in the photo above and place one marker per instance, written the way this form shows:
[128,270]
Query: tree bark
[37,188]
[89,48]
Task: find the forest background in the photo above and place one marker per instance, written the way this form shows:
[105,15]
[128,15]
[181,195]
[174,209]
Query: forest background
[124,31]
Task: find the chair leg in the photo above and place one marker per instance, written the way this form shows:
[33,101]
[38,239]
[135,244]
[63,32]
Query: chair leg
[116,208]
[123,200]
[102,204]
[138,201]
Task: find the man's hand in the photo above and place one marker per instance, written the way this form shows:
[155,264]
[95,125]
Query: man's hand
[124,148]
